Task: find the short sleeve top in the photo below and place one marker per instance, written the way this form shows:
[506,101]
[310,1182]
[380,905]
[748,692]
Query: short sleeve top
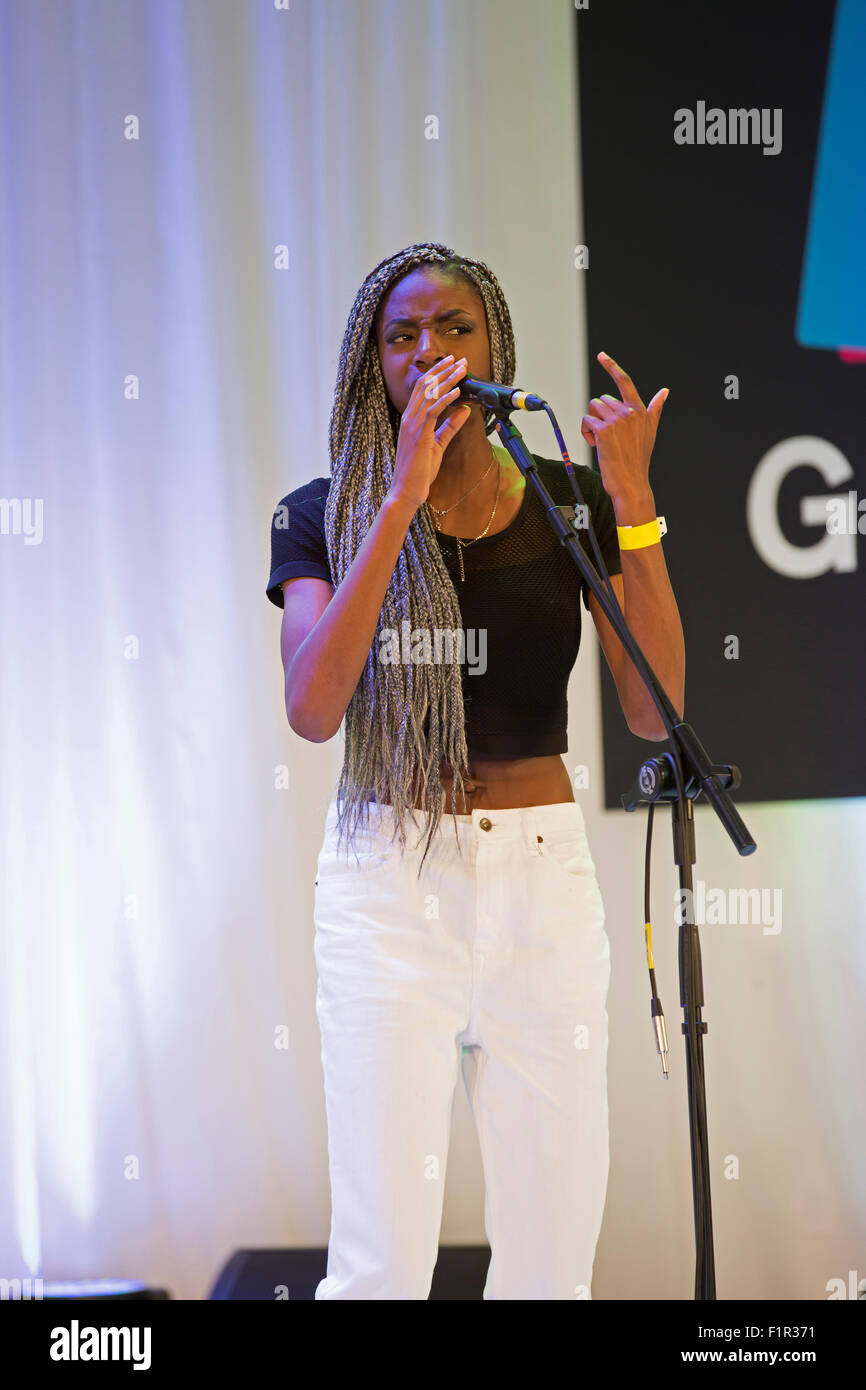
[520,603]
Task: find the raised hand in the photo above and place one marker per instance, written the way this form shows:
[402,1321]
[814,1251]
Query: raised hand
[623,432]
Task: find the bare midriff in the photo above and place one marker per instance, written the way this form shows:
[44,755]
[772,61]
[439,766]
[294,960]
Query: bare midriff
[501,785]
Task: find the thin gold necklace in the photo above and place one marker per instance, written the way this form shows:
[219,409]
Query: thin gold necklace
[461,544]
[443,511]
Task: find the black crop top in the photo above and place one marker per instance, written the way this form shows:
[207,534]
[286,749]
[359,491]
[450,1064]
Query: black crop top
[520,585]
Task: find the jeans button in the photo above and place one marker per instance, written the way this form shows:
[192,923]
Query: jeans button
[485,823]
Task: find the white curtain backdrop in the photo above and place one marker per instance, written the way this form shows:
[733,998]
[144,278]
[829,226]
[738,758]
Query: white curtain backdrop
[192,192]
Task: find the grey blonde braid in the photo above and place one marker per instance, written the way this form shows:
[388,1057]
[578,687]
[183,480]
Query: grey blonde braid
[388,743]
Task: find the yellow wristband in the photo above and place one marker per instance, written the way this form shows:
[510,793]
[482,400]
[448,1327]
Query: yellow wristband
[636,537]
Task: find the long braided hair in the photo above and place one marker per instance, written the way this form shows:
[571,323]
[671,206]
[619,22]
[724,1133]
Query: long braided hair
[403,718]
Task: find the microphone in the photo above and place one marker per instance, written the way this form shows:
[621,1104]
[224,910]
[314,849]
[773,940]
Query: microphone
[496,397]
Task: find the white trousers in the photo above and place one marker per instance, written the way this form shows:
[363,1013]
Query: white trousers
[497,961]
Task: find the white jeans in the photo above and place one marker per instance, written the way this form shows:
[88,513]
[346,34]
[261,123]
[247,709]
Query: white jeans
[503,953]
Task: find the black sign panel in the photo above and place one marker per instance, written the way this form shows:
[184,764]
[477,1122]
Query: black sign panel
[723,153]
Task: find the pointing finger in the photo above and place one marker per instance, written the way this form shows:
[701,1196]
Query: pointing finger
[627,388]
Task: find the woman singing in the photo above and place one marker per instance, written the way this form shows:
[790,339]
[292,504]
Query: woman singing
[458,919]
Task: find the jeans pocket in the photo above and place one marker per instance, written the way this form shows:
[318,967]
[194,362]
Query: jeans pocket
[354,864]
[568,854]
[573,874]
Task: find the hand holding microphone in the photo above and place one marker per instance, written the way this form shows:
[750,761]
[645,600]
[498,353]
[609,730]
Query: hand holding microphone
[420,444]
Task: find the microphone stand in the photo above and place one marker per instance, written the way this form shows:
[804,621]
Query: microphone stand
[679,777]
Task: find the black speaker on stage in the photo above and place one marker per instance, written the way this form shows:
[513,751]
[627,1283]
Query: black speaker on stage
[279,1274]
